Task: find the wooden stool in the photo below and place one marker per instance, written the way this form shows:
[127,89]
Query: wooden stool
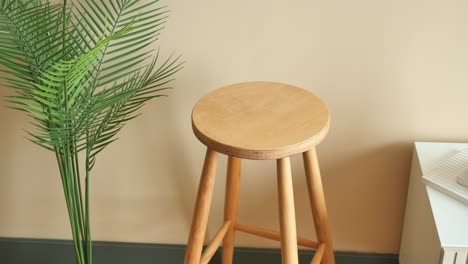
[260,121]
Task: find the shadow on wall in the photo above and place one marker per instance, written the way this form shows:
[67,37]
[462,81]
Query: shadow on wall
[375,194]
[179,160]
[11,124]
[384,172]
[175,149]
[366,188]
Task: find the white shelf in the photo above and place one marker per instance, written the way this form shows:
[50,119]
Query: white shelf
[451,216]
[436,226]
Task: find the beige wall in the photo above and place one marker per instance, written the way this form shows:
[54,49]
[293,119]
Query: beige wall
[392,72]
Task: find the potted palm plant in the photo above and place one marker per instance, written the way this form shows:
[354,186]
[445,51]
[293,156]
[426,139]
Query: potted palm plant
[81,70]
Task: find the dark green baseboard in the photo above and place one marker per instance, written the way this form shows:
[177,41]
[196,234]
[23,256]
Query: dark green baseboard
[41,251]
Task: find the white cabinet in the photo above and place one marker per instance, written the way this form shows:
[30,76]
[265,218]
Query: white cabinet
[435,229]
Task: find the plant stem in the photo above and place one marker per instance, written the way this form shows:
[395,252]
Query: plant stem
[77,184]
[72,189]
[89,246]
[63,174]
[87,221]
[64,166]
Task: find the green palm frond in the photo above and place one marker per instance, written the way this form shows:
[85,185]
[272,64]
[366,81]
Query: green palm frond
[81,73]
[119,104]
[31,36]
[57,97]
[125,55]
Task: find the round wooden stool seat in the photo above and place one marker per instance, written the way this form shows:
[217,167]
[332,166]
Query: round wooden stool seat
[260,120]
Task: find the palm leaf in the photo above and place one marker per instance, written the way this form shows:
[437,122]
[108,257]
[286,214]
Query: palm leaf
[81,74]
[58,93]
[122,103]
[98,18]
[29,35]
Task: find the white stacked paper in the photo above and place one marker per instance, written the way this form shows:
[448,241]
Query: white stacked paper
[463,179]
[449,177]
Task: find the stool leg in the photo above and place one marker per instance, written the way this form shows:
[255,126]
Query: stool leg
[231,205]
[202,209]
[317,202]
[288,234]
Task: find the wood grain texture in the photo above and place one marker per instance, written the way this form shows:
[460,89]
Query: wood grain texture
[231,206]
[317,202]
[260,120]
[273,235]
[317,259]
[202,209]
[289,252]
[210,250]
